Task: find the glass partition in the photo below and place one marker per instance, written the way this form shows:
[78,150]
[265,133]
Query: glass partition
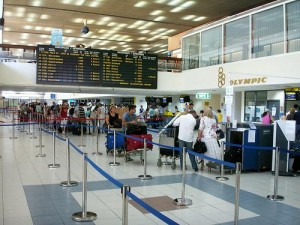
[211,47]
[190,52]
[268,33]
[236,47]
[293,26]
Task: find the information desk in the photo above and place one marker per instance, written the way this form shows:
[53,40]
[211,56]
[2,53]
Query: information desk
[95,67]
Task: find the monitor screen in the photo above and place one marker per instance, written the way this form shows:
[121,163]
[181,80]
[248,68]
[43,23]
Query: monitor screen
[181,100]
[165,100]
[290,96]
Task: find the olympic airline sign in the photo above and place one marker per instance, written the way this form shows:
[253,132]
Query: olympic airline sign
[257,80]
[244,81]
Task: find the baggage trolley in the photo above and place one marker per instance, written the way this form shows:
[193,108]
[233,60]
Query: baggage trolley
[168,137]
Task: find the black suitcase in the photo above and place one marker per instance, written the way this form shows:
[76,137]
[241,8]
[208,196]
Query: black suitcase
[136,129]
[296,164]
[76,130]
[233,155]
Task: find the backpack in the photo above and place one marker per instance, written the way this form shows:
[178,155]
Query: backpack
[71,111]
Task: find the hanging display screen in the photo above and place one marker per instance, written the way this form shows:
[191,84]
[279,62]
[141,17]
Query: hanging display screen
[95,67]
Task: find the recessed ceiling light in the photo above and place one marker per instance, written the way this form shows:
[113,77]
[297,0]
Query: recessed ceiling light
[188,17]
[159,18]
[44,17]
[199,18]
[140,4]
[156,12]
[175,2]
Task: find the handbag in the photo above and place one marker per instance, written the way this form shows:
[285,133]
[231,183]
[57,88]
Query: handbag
[200,147]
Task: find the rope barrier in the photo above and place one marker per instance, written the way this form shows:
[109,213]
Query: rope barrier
[249,147]
[103,173]
[151,210]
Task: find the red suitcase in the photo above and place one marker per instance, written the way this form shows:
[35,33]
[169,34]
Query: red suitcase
[133,144]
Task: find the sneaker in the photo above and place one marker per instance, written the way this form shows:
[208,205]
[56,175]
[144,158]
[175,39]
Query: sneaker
[196,169]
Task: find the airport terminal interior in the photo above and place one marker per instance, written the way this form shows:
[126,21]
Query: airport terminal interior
[168,58]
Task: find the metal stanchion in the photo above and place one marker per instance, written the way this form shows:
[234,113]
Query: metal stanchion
[124,191]
[13,129]
[81,138]
[53,165]
[183,201]
[114,163]
[40,144]
[97,143]
[40,139]
[33,131]
[237,192]
[68,183]
[276,197]
[29,122]
[84,216]
[222,178]
[145,176]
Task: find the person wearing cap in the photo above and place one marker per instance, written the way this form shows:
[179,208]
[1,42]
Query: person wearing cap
[266,117]
[186,125]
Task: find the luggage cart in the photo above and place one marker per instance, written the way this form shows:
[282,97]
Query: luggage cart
[168,137]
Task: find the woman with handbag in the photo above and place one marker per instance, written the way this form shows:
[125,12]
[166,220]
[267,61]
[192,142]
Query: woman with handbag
[207,134]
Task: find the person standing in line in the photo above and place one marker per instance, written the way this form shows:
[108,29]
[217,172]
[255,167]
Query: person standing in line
[207,134]
[101,115]
[189,107]
[291,114]
[186,125]
[130,116]
[266,117]
[63,116]
[141,109]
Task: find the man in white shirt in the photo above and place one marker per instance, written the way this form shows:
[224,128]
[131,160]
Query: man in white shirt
[186,125]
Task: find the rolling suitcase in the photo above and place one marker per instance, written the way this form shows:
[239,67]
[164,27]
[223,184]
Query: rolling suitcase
[133,144]
[120,143]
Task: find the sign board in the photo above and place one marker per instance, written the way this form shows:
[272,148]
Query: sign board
[228,99]
[229,90]
[202,95]
[56,37]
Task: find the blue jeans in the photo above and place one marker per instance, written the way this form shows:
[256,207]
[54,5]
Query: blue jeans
[189,146]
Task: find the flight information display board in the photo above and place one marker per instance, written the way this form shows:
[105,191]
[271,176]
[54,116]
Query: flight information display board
[95,67]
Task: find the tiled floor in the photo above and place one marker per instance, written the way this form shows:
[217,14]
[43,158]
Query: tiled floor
[31,194]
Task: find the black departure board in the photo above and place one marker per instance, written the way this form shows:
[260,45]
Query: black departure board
[95,67]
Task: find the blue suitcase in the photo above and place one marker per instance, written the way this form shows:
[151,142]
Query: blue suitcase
[120,142]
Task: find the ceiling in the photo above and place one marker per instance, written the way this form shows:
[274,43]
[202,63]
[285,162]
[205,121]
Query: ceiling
[123,25]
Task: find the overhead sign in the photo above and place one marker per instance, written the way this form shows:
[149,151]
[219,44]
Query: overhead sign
[201,95]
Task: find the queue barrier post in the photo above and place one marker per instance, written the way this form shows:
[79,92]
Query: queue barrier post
[114,163]
[68,182]
[81,136]
[97,142]
[124,190]
[53,165]
[275,196]
[84,216]
[237,192]
[40,154]
[29,124]
[183,201]
[222,178]
[13,128]
[145,176]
